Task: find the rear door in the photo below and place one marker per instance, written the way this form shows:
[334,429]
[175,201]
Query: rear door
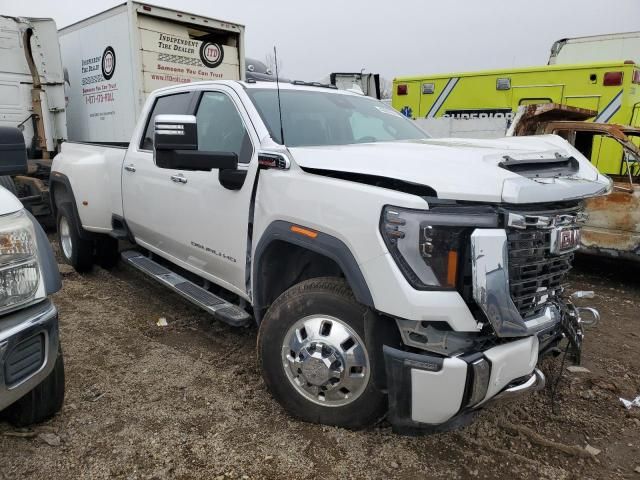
[147,189]
[173,53]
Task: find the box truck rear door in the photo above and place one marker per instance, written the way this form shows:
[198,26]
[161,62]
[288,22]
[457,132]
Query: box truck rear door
[174,53]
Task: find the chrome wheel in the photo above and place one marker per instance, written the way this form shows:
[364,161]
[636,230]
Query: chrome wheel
[325,360]
[65,237]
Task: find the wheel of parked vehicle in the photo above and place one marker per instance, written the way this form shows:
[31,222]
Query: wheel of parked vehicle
[107,254]
[7,182]
[42,402]
[314,358]
[77,252]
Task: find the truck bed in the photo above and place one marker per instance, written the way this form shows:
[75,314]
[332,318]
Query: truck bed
[99,195]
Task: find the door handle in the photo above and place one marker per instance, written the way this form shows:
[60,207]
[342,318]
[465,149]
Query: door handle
[179,178]
[130,168]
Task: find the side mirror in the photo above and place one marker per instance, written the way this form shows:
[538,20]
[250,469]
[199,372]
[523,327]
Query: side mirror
[175,132]
[175,145]
[13,152]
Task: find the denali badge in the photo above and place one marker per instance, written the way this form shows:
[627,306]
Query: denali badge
[564,240]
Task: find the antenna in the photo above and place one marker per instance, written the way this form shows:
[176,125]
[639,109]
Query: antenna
[275,56]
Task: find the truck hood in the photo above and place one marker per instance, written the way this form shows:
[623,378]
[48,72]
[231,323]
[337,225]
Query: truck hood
[464,169]
[8,202]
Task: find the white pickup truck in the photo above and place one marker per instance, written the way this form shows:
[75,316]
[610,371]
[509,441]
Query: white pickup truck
[387,273]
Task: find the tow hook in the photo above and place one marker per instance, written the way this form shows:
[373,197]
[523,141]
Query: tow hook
[595,316]
[591,312]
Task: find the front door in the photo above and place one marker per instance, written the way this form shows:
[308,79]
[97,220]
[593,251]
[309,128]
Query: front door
[213,220]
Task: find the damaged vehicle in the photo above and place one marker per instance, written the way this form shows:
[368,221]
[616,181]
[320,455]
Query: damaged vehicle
[613,225]
[388,273]
[31,365]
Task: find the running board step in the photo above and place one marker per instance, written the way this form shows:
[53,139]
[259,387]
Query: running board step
[219,308]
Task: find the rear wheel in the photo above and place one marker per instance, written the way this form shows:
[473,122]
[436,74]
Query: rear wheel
[42,402]
[314,358]
[76,251]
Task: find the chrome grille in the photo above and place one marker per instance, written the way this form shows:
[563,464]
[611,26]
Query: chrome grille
[535,275]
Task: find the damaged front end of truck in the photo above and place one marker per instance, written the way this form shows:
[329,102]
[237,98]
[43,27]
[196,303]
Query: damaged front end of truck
[511,263]
[513,276]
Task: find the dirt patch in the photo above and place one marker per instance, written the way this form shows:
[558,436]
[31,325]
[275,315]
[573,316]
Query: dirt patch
[187,401]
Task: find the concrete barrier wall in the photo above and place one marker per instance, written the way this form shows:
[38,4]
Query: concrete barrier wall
[464,128]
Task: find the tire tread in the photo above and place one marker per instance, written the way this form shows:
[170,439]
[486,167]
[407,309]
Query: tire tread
[41,403]
[82,254]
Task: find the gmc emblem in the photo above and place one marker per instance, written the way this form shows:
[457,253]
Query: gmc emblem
[564,240]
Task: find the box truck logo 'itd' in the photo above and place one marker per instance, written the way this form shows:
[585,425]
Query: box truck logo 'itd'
[108,63]
[211,54]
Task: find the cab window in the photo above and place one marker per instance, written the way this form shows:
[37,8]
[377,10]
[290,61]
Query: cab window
[220,127]
[177,104]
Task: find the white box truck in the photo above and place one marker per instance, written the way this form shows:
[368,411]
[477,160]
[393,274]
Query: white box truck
[116,58]
[596,48]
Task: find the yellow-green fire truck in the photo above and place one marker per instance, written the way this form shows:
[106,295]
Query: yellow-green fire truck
[610,88]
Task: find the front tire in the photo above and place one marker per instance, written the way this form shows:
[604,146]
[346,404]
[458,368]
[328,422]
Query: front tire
[314,359]
[41,403]
[76,251]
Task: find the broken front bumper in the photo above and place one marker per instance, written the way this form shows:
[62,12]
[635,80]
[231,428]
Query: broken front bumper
[427,392]
[434,393]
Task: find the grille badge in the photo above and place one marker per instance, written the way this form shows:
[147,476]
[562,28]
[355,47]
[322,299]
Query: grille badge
[564,240]
[524,221]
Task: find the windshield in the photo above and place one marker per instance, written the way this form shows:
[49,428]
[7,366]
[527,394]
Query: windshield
[327,118]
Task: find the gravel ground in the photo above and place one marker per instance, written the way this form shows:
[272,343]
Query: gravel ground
[187,401]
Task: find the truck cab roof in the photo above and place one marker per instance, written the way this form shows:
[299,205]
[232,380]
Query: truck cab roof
[283,85]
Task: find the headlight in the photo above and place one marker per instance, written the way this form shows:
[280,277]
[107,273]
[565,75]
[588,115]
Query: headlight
[427,245]
[19,270]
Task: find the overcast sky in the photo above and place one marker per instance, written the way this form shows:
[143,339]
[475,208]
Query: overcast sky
[391,37]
